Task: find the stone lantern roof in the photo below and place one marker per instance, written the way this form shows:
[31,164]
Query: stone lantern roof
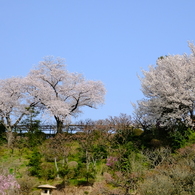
[46,189]
[46,186]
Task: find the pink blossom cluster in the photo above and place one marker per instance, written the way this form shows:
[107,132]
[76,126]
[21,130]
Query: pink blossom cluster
[111,161]
[8,183]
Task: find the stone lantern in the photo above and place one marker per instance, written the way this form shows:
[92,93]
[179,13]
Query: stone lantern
[46,189]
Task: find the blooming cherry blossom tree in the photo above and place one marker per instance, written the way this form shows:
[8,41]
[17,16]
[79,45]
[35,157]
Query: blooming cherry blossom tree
[169,88]
[61,93]
[14,103]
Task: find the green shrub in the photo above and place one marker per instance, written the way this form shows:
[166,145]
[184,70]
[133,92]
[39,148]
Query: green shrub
[35,164]
[47,171]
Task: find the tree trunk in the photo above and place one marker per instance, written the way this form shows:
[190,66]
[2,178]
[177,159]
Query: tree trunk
[87,165]
[10,138]
[56,166]
[59,126]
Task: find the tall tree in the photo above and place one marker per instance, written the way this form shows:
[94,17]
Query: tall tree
[14,103]
[169,88]
[62,93]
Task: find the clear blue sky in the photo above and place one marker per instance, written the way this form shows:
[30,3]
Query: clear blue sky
[107,40]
